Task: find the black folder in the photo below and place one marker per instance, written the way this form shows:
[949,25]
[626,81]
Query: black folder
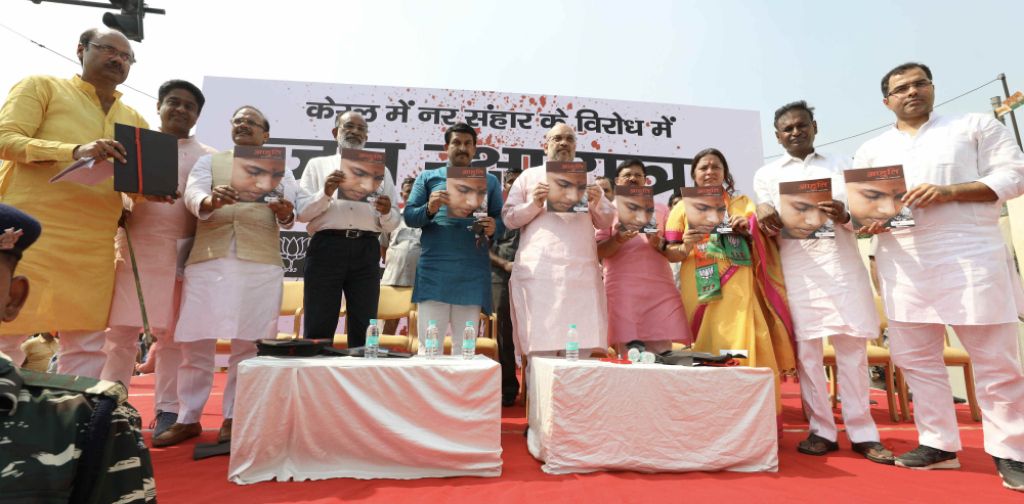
[152,166]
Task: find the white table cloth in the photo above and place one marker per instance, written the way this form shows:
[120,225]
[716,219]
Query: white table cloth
[344,417]
[590,415]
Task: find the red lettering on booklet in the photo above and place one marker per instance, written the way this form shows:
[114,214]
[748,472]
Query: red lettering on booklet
[884,173]
[818,186]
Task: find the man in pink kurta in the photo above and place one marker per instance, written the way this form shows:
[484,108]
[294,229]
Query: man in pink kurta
[158,232]
[643,301]
[556,279]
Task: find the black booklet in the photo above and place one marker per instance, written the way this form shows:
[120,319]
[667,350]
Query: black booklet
[152,162]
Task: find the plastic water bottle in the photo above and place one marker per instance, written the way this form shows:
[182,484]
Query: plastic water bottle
[431,342]
[469,341]
[572,344]
[372,340]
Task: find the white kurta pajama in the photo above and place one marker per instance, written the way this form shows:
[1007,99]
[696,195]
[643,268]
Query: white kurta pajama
[952,268]
[156,230]
[556,278]
[830,296]
[227,298]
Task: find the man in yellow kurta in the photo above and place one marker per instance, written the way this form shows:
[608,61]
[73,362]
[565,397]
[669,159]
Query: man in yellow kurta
[45,124]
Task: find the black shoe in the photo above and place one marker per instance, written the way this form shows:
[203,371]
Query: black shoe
[1012,472]
[816,445]
[875,452]
[926,457]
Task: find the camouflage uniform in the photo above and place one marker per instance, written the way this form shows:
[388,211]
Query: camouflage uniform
[70,439]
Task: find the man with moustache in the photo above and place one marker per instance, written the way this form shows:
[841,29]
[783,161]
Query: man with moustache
[452,276]
[503,254]
[828,290]
[158,231]
[343,257]
[556,278]
[233,276]
[951,268]
[643,300]
[46,124]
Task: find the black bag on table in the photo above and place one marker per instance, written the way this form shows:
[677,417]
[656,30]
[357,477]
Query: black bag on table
[688,358]
[290,347]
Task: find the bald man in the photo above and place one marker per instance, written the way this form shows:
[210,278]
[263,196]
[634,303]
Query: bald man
[556,278]
[46,124]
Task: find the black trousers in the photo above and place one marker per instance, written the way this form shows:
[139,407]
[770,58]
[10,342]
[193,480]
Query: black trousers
[336,265]
[506,345]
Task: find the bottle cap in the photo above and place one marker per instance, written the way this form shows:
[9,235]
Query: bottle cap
[469,323]
[373,321]
[432,323]
[572,326]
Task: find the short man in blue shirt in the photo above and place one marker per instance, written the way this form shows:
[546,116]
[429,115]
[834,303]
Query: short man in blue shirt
[453,276]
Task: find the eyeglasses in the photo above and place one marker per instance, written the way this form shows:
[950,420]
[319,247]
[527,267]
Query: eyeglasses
[113,51]
[238,121]
[560,138]
[905,89]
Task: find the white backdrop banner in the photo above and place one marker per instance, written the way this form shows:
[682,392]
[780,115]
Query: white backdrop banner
[408,125]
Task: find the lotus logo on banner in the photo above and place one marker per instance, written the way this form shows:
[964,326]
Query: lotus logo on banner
[293,252]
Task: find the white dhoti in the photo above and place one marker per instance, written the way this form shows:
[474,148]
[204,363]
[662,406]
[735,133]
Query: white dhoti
[226,298]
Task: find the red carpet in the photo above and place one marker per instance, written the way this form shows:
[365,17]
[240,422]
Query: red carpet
[840,477]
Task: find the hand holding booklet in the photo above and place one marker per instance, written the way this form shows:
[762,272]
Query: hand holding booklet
[567,186]
[801,217]
[86,171]
[635,205]
[364,173]
[257,172]
[875,195]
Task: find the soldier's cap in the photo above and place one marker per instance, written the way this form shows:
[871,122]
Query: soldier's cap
[18,231]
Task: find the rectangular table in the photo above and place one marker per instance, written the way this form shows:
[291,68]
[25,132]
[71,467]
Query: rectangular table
[345,417]
[590,415]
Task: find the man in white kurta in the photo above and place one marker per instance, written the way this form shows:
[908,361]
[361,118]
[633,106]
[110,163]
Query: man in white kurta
[158,232]
[232,287]
[828,290]
[556,279]
[951,269]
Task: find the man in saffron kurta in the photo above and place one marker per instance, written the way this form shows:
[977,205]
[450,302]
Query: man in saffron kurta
[643,301]
[45,124]
[158,233]
[556,279]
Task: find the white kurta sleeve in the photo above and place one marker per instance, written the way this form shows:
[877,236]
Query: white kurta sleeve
[604,216]
[1000,160]
[763,186]
[294,193]
[519,209]
[199,186]
[864,158]
[389,221]
[312,182]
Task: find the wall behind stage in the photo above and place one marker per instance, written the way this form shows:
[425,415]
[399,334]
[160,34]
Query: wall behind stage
[408,125]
